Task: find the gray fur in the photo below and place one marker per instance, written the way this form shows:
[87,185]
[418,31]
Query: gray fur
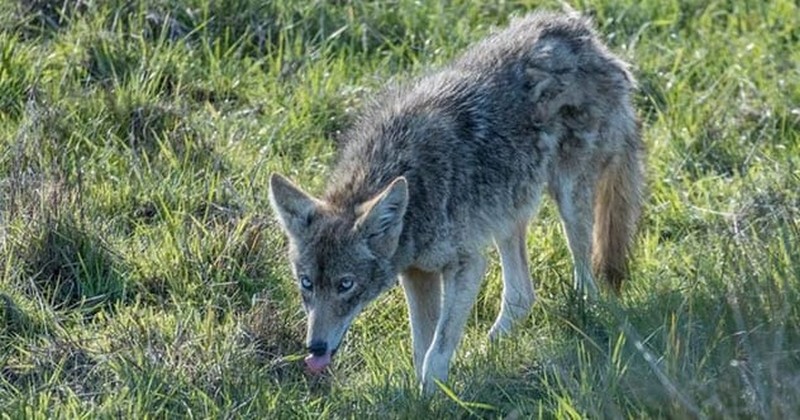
[540,104]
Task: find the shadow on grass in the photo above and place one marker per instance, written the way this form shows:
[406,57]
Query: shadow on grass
[273,338]
[721,347]
[57,259]
[68,267]
[44,18]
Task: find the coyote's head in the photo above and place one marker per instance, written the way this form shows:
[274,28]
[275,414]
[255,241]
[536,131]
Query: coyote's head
[340,257]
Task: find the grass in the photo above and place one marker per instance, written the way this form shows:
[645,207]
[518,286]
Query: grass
[142,274]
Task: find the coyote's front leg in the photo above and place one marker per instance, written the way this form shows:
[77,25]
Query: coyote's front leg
[460,284]
[423,295]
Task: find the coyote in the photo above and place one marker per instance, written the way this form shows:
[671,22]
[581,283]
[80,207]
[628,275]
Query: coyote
[438,168]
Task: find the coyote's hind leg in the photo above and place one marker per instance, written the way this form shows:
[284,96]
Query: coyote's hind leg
[575,199]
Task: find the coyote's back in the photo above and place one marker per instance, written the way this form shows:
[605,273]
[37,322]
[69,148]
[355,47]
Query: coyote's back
[483,134]
[439,168]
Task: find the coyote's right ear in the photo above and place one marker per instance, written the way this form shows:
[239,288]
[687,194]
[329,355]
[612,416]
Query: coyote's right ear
[293,207]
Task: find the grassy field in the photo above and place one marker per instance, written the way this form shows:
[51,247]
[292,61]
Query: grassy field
[142,274]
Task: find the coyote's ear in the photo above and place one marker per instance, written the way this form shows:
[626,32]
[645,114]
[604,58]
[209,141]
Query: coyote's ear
[293,207]
[382,217]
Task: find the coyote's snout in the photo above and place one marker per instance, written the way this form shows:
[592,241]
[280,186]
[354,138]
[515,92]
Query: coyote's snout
[440,168]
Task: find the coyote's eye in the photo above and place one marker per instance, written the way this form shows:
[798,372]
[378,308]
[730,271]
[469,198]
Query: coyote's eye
[345,284]
[306,282]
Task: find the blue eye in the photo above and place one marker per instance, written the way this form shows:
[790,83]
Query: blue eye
[345,284]
[305,282]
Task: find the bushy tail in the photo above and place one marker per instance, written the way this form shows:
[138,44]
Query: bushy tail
[618,205]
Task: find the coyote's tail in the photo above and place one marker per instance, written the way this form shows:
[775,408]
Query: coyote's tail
[618,204]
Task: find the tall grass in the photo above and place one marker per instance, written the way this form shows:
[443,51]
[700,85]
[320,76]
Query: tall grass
[141,272]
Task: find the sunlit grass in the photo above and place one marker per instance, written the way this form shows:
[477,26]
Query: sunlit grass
[143,275]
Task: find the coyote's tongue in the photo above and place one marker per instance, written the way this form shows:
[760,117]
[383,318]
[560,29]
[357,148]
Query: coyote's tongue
[316,364]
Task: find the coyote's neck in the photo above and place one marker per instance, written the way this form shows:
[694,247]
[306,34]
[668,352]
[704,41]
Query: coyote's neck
[347,191]
[368,164]
[352,186]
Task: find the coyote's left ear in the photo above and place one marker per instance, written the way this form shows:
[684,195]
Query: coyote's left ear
[293,207]
[382,219]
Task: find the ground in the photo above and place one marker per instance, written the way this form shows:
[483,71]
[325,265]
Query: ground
[143,274]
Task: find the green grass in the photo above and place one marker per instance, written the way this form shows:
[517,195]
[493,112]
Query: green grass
[142,274]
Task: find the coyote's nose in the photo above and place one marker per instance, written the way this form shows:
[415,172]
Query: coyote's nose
[318,348]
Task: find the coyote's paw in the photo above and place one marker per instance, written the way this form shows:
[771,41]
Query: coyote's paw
[433,372]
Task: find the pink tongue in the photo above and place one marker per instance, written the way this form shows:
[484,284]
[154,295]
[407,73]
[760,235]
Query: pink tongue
[316,364]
